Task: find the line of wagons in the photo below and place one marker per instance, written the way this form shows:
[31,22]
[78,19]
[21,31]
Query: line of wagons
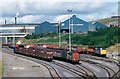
[100,51]
[48,53]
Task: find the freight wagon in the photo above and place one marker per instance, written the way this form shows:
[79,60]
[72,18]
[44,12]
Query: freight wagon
[45,54]
[49,53]
[90,50]
[65,55]
[62,54]
[73,57]
[57,54]
[100,51]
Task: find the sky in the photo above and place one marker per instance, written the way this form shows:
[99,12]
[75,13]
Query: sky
[38,11]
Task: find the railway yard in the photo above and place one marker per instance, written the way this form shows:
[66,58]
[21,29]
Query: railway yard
[88,67]
[58,39]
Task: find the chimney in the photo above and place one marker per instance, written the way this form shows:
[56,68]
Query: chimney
[15,20]
[5,21]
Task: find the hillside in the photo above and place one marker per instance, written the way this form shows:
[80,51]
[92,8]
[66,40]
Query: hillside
[52,38]
[114,48]
[103,38]
[108,21]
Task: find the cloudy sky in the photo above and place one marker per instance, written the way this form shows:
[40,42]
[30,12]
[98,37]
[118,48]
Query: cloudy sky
[37,11]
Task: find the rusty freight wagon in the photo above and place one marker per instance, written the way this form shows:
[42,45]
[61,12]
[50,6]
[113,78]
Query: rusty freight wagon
[45,54]
[73,56]
[90,50]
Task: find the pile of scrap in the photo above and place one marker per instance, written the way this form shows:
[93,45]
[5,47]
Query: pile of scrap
[114,52]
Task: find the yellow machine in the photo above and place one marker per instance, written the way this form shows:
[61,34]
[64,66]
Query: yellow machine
[100,51]
[103,52]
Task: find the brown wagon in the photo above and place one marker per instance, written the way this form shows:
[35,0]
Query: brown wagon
[73,57]
[41,53]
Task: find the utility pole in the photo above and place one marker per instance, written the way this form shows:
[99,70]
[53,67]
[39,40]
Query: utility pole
[72,26]
[59,34]
[69,11]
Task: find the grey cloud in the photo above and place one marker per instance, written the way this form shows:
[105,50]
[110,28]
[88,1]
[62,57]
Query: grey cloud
[10,9]
[48,11]
[56,8]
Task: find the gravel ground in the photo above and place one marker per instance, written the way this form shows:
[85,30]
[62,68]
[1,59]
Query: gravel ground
[0,63]
[0,68]
[18,67]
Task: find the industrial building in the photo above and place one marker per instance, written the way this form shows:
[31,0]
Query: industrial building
[45,27]
[18,28]
[21,30]
[97,25]
[76,26]
[13,31]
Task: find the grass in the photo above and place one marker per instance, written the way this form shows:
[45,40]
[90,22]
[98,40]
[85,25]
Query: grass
[51,40]
[47,40]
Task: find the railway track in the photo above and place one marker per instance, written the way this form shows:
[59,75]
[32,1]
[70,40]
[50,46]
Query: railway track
[116,76]
[86,70]
[84,74]
[53,73]
[52,70]
[109,70]
[106,60]
[79,73]
[75,71]
[117,62]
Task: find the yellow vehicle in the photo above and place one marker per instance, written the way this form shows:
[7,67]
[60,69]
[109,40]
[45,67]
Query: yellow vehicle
[103,52]
[100,51]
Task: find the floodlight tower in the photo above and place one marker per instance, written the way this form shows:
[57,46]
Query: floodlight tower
[59,34]
[69,11]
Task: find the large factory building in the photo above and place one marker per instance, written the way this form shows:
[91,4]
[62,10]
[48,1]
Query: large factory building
[76,26]
[45,27]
